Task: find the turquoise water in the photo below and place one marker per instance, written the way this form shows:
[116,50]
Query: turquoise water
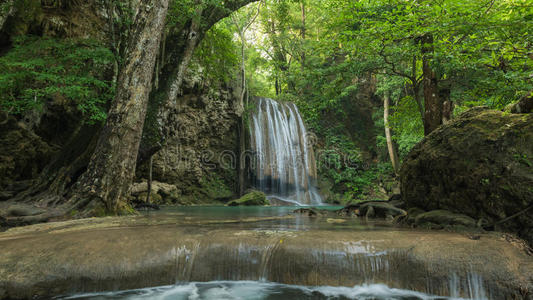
[236,212]
[265,217]
[206,218]
[253,290]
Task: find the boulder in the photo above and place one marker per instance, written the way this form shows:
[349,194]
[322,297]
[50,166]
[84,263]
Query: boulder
[372,209]
[480,165]
[157,187]
[254,198]
[308,212]
[161,192]
[412,213]
[154,198]
[437,219]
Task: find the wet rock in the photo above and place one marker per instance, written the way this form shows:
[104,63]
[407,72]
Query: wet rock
[480,165]
[86,256]
[442,218]
[380,210]
[306,212]
[254,198]
[335,221]
[412,213]
[372,209]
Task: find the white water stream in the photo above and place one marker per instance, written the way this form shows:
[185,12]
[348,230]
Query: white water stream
[285,166]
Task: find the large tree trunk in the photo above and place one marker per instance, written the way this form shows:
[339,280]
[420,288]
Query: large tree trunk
[388,135]
[178,52]
[432,102]
[106,182]
[447,105]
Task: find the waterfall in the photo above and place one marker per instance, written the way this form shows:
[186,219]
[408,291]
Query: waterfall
[285,165]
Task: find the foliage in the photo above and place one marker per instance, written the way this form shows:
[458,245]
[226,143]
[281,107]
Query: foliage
[37,70]
[407,125]
[480,53]
[218,54]
[342,161]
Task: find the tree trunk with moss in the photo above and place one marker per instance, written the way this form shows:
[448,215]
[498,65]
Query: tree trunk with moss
[176,54]
[432,102]
[106,182]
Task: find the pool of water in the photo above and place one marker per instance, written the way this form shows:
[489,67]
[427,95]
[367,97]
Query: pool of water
[235,212]
[253,290]
[264,217]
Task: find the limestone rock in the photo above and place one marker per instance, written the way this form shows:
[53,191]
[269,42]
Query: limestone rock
[154,198]
[306,212]
[157,187]
[480,165]
[251,199]
[199,155]
[23,154]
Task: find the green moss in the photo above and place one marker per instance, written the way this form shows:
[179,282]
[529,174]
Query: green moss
[254,198]
[27,13]
[215,188]
[126,210]
[100,211]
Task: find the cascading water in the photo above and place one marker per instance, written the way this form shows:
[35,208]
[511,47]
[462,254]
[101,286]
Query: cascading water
[285,167]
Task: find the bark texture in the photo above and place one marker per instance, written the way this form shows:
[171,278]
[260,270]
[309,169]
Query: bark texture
[111,169]
[390,144]
[432,102]
[178,53]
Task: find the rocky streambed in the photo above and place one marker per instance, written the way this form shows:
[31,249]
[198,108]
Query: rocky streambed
[119,253]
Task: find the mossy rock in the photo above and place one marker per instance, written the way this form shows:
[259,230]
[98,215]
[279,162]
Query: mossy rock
[254,198]
[412,213]
[479,165]
[443,218]
[380,210]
